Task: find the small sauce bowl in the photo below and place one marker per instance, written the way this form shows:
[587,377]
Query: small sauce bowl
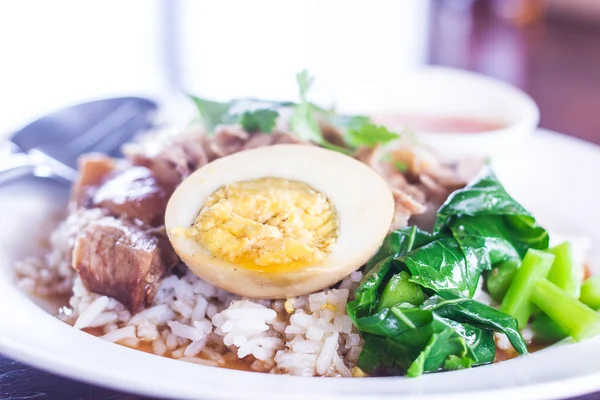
[455,113]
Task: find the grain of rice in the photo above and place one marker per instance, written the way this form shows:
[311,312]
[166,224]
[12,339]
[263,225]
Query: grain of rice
[326,355]
[200,323]
[103,319]
[258,366]
[91,312]
[159,347]
[110,327]
[199,312]
[171,342]
[314,333]
[527,334]
[178,353]
[201,361]
[182,308]
[147,331]
[211,354]
[129,342]
[185,331]
[353,354]
[119,334]
[307,346]
[194,348]
[502,341]
[340,366]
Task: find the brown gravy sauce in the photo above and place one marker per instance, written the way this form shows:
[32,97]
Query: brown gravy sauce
[503,355]
[231,360]
[245,364]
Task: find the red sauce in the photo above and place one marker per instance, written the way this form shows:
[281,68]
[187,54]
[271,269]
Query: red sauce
[586,272]
[437,124]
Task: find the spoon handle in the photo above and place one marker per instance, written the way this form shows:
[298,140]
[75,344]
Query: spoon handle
[14,163]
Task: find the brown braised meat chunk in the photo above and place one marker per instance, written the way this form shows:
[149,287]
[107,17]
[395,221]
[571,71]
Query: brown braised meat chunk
[133,193]
[183,155]
[122,261]
[93,169]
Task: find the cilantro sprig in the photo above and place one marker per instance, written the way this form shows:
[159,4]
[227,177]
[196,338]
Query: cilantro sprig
[370,135]
[261,116]
[261,120]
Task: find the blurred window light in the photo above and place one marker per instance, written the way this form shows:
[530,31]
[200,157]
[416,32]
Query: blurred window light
[65,51]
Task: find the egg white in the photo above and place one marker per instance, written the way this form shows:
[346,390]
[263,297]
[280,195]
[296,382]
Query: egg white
[361,198]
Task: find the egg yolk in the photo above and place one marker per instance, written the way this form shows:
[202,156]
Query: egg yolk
[267,222]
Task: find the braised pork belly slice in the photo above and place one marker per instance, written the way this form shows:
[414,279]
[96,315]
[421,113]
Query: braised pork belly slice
[123,190]
[133,193]
[122,261]
[94,168]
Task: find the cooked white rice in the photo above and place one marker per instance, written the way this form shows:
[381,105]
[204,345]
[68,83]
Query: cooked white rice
[193,321]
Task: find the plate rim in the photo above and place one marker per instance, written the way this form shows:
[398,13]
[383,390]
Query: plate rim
[48,361]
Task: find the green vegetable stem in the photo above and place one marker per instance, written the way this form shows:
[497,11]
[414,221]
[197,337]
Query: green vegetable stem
[564,272]
[414,306]
[500,278]
[516,302]
[574,317]
[590,292]
[546,331]
[400,290]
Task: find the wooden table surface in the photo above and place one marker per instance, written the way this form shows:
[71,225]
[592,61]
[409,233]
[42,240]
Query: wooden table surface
[556,62]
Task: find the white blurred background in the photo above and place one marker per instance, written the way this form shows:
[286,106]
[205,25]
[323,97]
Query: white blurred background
[54,53]
[58,52]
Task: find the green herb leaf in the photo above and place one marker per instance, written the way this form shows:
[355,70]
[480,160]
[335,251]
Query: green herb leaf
[449,305]
[302,121]
[478,227]
[212,113]
[366,296]
[399,243]
[499,279]
[454,363]
[370,135]
[400,166]
[489,232]
[486,196]
[304,81]
[262,120]
[428,347]
[348,122]
[440,265]
[304,124]
[441,346]
[401,290]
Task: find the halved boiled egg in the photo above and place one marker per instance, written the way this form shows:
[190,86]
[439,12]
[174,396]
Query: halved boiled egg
[279,221]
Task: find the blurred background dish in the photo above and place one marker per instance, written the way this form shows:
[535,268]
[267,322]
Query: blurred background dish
[64,52]
[456,113]
[67,51]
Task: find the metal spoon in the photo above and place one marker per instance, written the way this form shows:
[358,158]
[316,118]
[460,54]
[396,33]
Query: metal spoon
[50,146]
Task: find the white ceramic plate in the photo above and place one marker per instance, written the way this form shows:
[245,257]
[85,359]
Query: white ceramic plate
[552,175]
